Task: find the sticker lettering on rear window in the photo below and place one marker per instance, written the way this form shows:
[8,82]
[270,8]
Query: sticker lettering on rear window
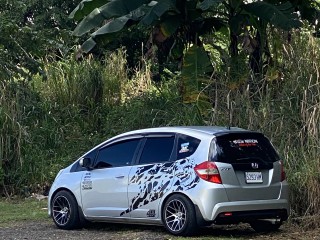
[245,142]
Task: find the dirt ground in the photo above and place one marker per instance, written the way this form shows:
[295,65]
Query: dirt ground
[47,230]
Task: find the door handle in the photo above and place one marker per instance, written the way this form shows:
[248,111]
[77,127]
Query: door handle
[119,177]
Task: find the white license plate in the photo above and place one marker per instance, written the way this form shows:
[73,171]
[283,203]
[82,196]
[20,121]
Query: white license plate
[254,177]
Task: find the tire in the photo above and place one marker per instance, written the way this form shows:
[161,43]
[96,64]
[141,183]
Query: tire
[179,216]
[64,209]
[261,226]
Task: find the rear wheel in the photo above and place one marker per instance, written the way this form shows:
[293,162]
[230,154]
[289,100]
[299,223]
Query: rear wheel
[265,226]
[179,216]
[64,209]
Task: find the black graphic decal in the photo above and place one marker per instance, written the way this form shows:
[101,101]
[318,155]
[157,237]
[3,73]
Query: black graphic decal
[156,180]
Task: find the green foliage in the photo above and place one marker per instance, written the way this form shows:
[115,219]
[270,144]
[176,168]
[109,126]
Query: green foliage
[195,73]
[206,4]
[85,7]
[281,15]
[117,12]
[183,15]
[31,31]
[175,24]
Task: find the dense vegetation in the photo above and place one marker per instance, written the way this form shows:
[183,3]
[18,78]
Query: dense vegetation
[57,103]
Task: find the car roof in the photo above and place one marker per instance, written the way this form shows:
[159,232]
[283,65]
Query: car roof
[194,130]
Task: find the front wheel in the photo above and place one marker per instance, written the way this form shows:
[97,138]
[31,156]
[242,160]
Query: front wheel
[179,216]
[64,209]
[265,226]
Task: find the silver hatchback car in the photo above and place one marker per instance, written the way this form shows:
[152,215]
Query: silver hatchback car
[179,177]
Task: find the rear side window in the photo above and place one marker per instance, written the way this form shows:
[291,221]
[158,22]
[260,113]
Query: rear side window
[117,155]
[157,149]
[186,146]
[244,147]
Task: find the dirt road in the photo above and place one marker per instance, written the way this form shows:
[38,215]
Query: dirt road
[46,230]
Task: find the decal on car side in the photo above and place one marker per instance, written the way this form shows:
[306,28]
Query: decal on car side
[87,182]
[151,213]
[157,180]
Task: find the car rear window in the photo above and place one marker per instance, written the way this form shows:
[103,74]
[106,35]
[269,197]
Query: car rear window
[243,147]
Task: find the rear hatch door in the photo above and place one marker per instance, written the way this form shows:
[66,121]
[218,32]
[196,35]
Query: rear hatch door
[249,166]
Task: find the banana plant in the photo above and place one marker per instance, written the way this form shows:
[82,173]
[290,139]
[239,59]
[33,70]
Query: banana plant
[183,22]
[108,18]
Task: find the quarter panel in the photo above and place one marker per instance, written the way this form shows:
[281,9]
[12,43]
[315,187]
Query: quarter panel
[149,183]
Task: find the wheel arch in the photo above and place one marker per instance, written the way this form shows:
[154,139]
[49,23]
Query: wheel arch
[59,190]
[200,219]
[68,190]
[80,212]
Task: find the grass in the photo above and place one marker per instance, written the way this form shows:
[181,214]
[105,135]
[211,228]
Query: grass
[12,211]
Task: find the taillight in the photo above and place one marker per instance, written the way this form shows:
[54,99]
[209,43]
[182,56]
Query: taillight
[208,171]
[283,173]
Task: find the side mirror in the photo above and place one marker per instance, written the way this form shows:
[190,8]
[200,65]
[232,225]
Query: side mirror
[86,163]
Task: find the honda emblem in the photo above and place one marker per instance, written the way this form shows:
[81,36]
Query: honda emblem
[255,165]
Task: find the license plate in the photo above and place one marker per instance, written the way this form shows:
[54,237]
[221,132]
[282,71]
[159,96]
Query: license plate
[254,177]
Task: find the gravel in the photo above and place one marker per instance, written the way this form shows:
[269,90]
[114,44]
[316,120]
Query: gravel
[47,230]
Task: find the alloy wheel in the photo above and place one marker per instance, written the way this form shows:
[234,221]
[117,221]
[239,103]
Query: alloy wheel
[175,215]
[61,210]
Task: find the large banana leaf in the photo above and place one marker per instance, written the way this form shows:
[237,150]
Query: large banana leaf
[85,7]
[170,25]
[147,14]
[158,8]
[206,4]
[113,9]
[194,76]
[107,31]
[281,15]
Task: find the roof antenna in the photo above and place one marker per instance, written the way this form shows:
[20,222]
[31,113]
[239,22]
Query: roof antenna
[229,104]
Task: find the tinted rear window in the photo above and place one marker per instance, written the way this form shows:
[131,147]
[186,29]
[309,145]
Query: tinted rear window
[244,147]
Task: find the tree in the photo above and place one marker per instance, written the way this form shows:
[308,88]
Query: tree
[31,31]
[178,25]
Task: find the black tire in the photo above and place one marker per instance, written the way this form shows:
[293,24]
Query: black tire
[179,216]
[64,210]
[261,226]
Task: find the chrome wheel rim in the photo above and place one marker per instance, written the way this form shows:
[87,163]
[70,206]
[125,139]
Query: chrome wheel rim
[175,215]
[61,210]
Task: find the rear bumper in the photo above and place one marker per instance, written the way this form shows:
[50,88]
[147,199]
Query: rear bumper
[246,211]
[249,216]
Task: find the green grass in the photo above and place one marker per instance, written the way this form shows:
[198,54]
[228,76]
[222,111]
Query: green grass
[12,211]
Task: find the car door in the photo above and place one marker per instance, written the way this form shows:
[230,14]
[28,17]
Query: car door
[152,176]
[104,188]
